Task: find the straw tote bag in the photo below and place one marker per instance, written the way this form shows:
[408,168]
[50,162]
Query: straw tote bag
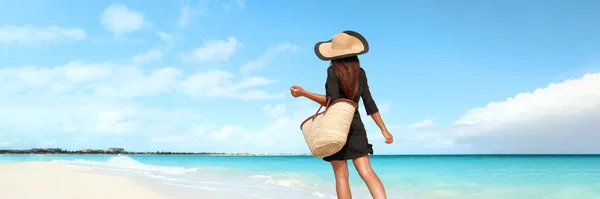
[326,132]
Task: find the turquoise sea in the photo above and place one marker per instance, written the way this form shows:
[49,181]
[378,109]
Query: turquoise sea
[404,176]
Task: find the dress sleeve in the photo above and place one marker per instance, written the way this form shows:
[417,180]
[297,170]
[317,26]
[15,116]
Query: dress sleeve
[368,101]
[332,85]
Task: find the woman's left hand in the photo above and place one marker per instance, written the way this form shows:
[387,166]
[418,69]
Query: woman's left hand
[296,91]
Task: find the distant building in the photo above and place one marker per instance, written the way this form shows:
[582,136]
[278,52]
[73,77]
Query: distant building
[115,150]
[92,151]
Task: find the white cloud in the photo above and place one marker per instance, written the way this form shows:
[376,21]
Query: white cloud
[157,53]
[213,50]
[26,117]
[219,83]
[274,111]
[424,123]
[106,79]
[229,131]
[267,57]
[28,34]
[565,98]
[561,118]
[130,81]
[101,101]
[148,56]
[121,20]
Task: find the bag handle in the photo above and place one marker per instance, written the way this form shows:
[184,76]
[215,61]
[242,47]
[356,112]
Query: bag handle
[326,107]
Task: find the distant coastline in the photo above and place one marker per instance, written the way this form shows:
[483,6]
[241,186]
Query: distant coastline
[121,151]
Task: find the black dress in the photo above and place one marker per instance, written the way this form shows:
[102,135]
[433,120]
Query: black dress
[357,144]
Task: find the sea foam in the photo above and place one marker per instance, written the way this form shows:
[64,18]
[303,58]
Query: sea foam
[265,185]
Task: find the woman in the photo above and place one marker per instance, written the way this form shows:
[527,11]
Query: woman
[346,79]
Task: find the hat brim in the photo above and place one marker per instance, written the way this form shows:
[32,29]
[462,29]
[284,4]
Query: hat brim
[324,51]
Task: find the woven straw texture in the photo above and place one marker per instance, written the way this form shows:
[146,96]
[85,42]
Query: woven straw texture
[326,133]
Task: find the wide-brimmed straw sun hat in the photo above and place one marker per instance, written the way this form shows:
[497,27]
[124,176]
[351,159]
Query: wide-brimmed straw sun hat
[345,44]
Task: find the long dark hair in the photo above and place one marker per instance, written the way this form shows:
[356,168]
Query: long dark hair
[347,70]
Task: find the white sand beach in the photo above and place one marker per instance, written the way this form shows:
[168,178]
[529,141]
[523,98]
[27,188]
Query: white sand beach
[35,180]
[49,180]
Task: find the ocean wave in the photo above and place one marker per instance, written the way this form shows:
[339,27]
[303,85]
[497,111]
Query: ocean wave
[211,178]
[128,163]
[290,180]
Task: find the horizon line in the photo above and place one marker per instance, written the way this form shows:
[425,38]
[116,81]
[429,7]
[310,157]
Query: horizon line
[289,154]
[244,153]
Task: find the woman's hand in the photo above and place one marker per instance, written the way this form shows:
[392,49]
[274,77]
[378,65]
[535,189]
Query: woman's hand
[297,91]
[388,137]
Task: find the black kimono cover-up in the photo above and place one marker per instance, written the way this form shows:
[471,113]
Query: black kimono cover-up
[357,144]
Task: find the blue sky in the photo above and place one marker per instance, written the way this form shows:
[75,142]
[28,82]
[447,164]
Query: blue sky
[449,77]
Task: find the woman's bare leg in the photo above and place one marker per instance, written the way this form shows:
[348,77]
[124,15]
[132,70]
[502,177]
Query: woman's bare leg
[340,169]
[363,166]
